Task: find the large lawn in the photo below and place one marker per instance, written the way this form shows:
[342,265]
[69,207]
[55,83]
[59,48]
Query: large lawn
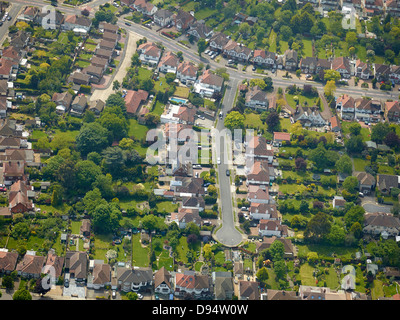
[140,254]
[326,251]
[303,100]
[359,164]
[168,206]
[253,120]
[137,130]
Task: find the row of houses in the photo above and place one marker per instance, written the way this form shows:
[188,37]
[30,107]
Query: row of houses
[367,110]
[362,7]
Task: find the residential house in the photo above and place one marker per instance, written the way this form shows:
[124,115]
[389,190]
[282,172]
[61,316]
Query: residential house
[29,14]
[4,88]
[100,277]
[49,20]
[380,223]
[13,171]
[97,106]
[163,17]
[257,194]
[145,7]
[342,65]
[76,23]
[187,187]
[5,105]
[393,8]
[249,290]
[237,51]
[208,83]
[191,283]
[264,58]
[104,53]
[79,105]
[99,62]
[238,269]
[31,265]
[6,69]
[196,203]
[381,71]
[187,72]
[363,70]
[258,149]
[163,281]
[373,7]
[309,117]
[136,279]
[185,216]
[8,261]
[392,110]
[63,101]
[55,262]
[223,285]
[330,4]
[95,73]
[111,37]
[290,59]
[18,198]
[79,78]
[218,41]
[13,54]
[386,183]
[338,202]
[346,104]
[76,264]
[280,137]
[134,99]
[268,228]
[265,211]
[367,110]
[85,228]
[366,182]
[106,44]
[394,74]
[108,27]
[256,98]
[290,250]
[320,293]
[321,66]
[308,65]
[168,63]
[277,295]
[200,30]
[259,173]
[334,124]
[10,143]
[183,20]
[149,53]
[20,40]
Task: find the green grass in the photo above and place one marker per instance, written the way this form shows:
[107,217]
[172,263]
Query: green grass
[161,85]
[182,248]
[140,255]
[75,227]
[384,169]
[137,130]
[158,108]
[144,74]
[272,41]
[168,206]
[307,48]
[82,64]
[359,164]
[188,6]
[37,134]
[204,13]
[252,120]
[32,243]
[164,260]
[302,99]
[271,282]
[292,188]
[326,251]
[182,92]
[285,124]
[377,289]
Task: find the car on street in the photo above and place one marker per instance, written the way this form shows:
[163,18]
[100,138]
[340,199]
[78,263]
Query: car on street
[1,23]
[140,296]
[128,24]
[114,294]
[9,18]
[207,51]
[228,172]
[219,160]
[254,68]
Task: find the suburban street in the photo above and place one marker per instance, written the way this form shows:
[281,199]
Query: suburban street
[227,234]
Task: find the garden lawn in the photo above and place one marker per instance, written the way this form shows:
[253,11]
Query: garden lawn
[292,188]
[182,249]
[75,227]
[204,13]
[377,289]
[271,282]
[285,124]
[306,275]
[137,130]
[252,120]
[140,255]
[158,108]
[144,74]
[326,251]
[302,99]
[307,48]
[167,206]
[359,164]
[182,92]
[164,260]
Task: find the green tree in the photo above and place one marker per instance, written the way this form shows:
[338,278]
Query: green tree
[318,227]
[350,184]
[201,46]
[344,165]
[330,88]
[332,75]
[234,120]
[106,218]
[277,250]
[379,131]
[353,215]
[262,274]
[22,294]
[272,121]
[280,269]
[92,137]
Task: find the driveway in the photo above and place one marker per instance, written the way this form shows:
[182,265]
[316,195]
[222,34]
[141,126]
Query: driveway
[74,291]
[125,63]
[371,206]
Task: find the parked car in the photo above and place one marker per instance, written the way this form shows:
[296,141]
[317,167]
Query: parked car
[254,68]
[114,294]
[228,173]
[140,296]
[128,24]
